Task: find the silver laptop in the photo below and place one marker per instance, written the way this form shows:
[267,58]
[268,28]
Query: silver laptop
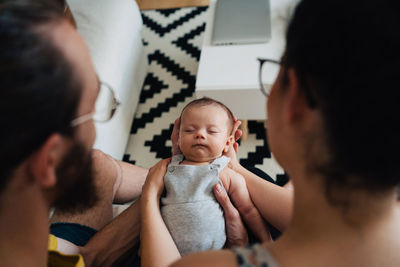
[241,22]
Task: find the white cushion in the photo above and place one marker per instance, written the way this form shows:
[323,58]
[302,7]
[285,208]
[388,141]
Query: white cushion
[111,29]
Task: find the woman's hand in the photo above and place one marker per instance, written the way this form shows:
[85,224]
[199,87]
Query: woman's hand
[154,185]
[175,137]
[236,234]
[233,148]
[236,132]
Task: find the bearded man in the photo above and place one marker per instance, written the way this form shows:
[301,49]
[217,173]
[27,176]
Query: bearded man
[50,96]
[48,92]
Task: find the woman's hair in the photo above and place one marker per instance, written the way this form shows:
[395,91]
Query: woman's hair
[347,55]
[39,91]
[207,101]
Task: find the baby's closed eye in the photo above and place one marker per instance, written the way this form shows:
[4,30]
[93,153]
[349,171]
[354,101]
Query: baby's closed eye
[213,130]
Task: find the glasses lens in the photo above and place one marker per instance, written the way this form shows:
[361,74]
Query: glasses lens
[105,104]
[269,72]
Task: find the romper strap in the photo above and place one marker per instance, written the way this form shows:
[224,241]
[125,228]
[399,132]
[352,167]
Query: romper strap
[176,160]
[220,163]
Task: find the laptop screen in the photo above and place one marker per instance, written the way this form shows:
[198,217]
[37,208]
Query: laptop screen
[241,22]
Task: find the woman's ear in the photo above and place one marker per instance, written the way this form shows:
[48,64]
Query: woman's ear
[296,104]
[229,141]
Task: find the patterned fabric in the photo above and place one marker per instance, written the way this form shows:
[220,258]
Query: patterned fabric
[173,40]
[254,255]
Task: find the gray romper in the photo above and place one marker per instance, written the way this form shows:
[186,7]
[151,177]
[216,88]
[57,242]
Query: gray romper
[192,214]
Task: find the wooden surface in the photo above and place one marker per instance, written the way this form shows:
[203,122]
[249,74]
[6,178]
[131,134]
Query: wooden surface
[164,4]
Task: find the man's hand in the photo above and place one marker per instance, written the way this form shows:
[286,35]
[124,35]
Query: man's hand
[175,137]
[236,234]
[154,184]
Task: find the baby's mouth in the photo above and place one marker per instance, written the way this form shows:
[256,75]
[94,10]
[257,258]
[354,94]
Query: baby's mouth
[199,145]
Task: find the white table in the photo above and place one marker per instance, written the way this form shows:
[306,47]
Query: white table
[230,73]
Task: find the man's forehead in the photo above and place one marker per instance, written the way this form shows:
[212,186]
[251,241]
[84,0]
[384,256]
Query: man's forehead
[70,43]
[77,53]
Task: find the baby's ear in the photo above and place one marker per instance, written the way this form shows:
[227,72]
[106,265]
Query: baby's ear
[229,141]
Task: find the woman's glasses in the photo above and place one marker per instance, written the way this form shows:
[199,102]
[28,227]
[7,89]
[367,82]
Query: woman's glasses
[268,71]
[267,74]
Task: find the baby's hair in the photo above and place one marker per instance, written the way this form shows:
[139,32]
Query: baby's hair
[206,101]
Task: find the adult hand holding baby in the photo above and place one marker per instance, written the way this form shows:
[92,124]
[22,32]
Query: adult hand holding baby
[175,136]
[154,184]
[236,132]
[236,233]
[153,226]
[234,147]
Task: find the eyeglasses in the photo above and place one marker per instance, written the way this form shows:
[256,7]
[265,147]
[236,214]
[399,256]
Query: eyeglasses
[268,70]
[105,107]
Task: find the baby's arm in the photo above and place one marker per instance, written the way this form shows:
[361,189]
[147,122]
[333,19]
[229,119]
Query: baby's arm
[235,185]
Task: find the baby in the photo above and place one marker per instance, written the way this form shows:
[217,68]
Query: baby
[189,209]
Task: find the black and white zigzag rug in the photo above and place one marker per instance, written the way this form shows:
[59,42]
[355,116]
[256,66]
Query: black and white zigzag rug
[172,40]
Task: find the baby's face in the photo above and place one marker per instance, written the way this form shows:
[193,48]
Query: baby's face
[204,133]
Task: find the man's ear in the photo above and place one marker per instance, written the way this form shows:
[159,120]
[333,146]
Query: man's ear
[296,105]
[229,141]
[43,163]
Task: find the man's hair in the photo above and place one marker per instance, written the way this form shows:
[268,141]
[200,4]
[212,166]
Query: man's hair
[206,101]
[39,92]
[346,55]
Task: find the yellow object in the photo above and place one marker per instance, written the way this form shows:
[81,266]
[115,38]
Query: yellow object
[57,259]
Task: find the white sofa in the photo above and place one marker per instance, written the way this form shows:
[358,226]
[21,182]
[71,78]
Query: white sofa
[112,31]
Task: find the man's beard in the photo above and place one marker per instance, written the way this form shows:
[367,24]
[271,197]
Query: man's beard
[75,184]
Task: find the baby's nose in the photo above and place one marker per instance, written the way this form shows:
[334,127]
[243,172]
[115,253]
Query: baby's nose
[200,134]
